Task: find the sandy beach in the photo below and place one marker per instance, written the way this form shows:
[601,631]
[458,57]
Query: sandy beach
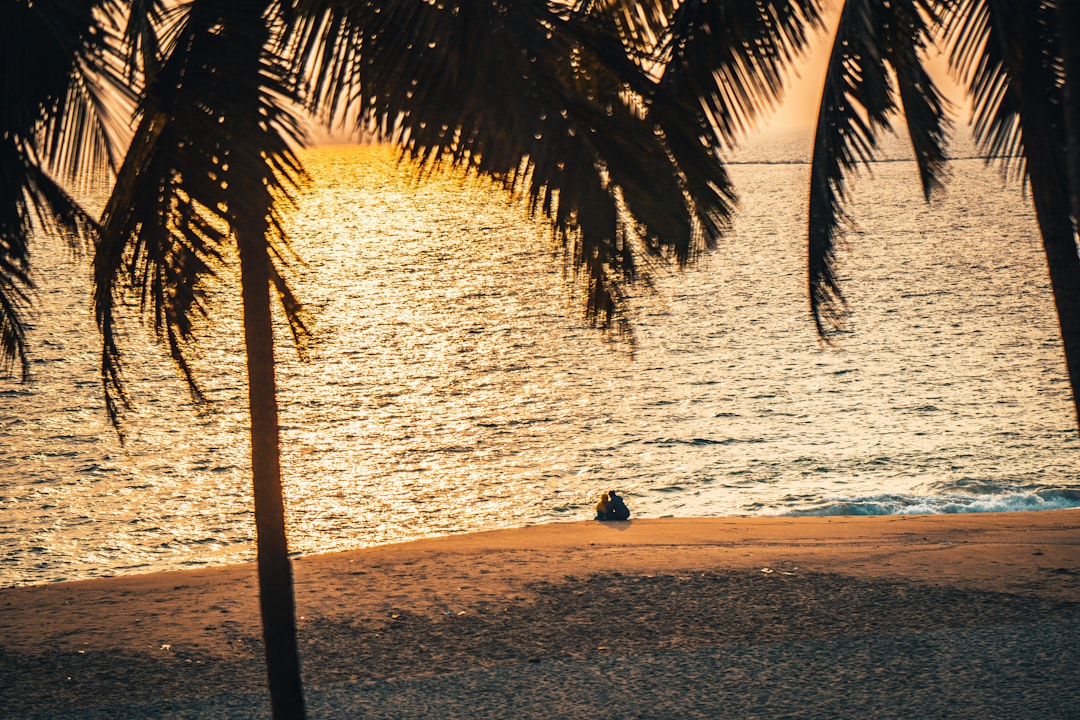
[936,616]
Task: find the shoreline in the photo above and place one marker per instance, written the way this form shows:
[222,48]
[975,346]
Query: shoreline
[300,555]
[434,607]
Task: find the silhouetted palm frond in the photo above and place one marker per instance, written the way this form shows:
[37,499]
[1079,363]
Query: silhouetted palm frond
[606,121]
[723,67]
[148,34]
[875,68]
[58,83]
[734,56]
[983,55]
[1009,56]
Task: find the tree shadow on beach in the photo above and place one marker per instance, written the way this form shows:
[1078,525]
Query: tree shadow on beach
[615,612]
[581,620]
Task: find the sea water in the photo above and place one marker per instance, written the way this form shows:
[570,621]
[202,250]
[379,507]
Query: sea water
[454,386]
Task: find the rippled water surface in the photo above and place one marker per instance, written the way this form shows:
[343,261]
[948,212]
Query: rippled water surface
[455,388]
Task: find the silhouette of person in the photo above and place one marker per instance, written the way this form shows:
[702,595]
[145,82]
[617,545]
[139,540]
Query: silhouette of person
[616,508]
[602,507]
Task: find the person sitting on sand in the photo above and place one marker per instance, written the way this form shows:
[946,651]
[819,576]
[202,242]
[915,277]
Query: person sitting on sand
[616,508]
[602,507]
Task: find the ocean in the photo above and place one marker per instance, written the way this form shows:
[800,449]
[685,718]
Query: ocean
[454,386]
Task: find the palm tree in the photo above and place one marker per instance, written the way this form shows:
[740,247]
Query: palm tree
[592,113]
[1017,59]
[199,191]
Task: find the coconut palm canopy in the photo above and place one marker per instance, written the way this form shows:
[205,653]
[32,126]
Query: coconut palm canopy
[590,113]
[585,110]
[608,118]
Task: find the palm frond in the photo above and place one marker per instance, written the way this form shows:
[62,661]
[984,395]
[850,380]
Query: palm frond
[80,130]
[13,303]
[876,44]
[1015,58]
[674,142]
[211,159]
[1009,55]
[323,40]
[148,36]
[734,56]
[983,55]
[556,101]
[925,110]
[15,279]
[57,84]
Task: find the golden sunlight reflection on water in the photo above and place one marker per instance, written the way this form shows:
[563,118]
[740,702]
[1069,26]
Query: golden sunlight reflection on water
[453,386]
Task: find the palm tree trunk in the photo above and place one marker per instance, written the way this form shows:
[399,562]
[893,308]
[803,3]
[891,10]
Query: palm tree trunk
[1059,244]
[249,208]
[275,569]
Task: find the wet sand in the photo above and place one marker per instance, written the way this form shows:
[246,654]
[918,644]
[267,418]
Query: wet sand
[922,616]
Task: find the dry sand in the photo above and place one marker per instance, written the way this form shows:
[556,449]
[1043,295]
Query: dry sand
[907,617]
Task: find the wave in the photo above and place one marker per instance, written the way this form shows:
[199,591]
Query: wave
[702,441]
[900,504]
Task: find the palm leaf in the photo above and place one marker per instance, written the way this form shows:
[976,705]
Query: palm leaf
[558,102]
[149,34]
[58,84]
[906,37]
[734,55]
[876,44]
[1012,57]
[982,54]
[15,280]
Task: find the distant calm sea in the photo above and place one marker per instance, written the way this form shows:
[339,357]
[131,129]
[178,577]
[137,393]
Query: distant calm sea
[455,388]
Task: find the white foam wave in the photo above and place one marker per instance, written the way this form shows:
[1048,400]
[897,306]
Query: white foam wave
[892,504]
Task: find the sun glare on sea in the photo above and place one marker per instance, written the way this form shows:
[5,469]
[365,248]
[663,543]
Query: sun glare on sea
[426,296]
